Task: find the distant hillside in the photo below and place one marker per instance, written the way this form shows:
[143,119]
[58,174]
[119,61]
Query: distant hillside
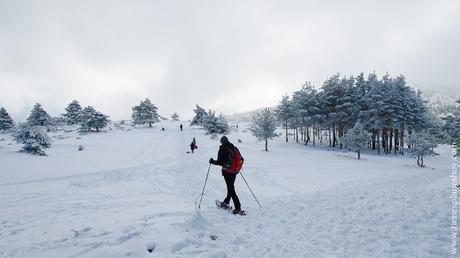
[246,116]
[441,101]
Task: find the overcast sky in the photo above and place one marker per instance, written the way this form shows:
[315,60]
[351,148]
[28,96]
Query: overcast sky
[228,56]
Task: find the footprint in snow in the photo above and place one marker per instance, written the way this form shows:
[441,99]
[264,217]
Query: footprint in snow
[150,247]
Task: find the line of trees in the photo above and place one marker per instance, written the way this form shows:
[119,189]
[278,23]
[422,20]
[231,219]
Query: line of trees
[387,109]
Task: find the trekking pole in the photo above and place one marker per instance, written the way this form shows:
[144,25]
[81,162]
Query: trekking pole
[202,193]
[250,189]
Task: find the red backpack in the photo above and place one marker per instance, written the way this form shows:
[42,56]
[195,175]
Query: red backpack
[236,161]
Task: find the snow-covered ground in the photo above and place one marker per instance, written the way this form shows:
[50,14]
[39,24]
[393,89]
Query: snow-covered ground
[133,190]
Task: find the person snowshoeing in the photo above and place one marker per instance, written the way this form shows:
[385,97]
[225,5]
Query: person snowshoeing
[230,159]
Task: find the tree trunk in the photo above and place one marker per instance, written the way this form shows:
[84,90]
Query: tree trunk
[396,140]
[402,141]
[97,129]
[383,140]
[297,134]
[286,124]
[390,141]
[373,138]
[314,131]
[266,145]
[378,141]
[333,135]
[359,155]
[150,124]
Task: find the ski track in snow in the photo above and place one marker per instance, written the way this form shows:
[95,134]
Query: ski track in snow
[125,211]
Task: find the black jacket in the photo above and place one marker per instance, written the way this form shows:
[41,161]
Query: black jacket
[225,155]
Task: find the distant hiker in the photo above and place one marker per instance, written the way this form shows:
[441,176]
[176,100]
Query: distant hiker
[236,126]
[193,145]
[181,127]
[230,159]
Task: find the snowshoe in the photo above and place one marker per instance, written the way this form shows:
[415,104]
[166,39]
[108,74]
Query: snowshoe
[223,205]
[239,212]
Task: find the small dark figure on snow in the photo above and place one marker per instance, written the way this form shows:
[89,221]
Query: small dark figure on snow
[180,127]
[230,159]
[162,129]
[193,145]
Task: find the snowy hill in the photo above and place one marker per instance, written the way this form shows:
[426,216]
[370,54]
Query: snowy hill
[133,190]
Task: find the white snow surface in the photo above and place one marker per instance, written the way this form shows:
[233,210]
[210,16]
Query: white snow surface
[134,190]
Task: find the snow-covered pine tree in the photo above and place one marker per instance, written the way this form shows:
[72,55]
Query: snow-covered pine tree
[92,119]
[6,122]
[356,138]
[145,113]
[200,116]
[34,138]
[284,113]
[73,113]
[215,124]
[421,145]
[175,117]
[39,117]
[264,126]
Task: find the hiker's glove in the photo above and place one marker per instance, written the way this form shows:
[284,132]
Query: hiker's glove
[211,161]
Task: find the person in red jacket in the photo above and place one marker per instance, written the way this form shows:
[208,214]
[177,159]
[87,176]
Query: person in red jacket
[224,158]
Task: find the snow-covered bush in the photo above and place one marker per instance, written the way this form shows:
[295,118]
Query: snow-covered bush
[145,113]
[92,119]
[39,117]
[175,117]
[73,113]
[6,122]
[421,145]
[200,116]
[264,126]
[34,138]
[215,124]
[356,138]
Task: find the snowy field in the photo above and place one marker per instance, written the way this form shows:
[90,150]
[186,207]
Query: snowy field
[133,190]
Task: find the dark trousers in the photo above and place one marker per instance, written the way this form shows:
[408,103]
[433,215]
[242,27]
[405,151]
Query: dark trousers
[230,181]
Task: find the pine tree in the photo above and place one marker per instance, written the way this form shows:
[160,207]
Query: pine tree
[6,122]
[175,117]
[215,124]
[34,138]
[421,145]
[264,126]
[356,138]
[145,113]
[92,119]
[73,113]
[39,117]
[284,112]
[200,116]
